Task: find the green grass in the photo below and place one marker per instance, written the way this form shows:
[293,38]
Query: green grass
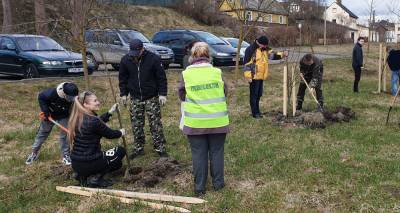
[345,167]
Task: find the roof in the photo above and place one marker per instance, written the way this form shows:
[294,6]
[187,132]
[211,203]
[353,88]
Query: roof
[270,6]
[347,10]
[385,24]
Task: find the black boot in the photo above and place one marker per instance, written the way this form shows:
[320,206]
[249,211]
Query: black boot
[299,105]
[81,179]
[98,181]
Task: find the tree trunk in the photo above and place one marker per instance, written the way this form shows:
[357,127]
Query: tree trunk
[40,18]
[7,17]
[78,20]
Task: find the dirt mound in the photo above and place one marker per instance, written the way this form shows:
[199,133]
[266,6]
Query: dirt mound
[62,171]
[160,169]
[314,119]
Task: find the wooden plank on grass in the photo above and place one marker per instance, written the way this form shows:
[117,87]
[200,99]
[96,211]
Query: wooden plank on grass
[121,199]
[145,196]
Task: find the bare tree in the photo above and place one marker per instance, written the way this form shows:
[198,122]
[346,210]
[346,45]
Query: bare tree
[40,18]
[79,21]
[394,8]
[371,4]
[246,22]
[7,16]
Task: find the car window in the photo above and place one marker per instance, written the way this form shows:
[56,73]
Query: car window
[210,38]
[128,36]
[160,37]
[175,38]
[38,43]
[89,36]
[7,44]
[187,38]
[109,37]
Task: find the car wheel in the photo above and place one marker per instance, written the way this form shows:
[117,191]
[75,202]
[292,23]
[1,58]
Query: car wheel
[93,60]
[115,66]
[31,71]
[165,66]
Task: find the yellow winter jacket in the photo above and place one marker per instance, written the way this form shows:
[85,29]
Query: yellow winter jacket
[257,67]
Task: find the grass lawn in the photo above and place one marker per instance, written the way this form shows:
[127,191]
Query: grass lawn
[346,167]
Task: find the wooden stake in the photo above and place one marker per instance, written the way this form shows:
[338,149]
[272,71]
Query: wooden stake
[293,92]
[285,94]
[121,199]
[380,68]
[384,69]
[145,196]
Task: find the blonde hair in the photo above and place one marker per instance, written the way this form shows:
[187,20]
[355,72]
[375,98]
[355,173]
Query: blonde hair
[200,49]
[77,112]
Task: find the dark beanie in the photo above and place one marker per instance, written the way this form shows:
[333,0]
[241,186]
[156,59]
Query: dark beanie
[70,89]
[263,40]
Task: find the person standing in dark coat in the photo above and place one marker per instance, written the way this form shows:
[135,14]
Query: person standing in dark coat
[393,61]
[357,62]
[142,76]
[86,129]
[54,103]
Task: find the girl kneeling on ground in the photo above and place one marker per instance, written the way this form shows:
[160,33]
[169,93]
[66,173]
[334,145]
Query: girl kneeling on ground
[86,130]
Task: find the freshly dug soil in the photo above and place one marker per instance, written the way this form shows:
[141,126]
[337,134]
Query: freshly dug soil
[159,170]
[313,119]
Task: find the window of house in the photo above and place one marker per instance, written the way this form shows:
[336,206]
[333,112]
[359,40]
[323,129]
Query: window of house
[249,16]
[269,18]
[294,8]
[281,20]
[334,20]
[334,10]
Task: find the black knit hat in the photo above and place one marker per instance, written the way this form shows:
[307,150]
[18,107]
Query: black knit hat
[70,89]
[263,40]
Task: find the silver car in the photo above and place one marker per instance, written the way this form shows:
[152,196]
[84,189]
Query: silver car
[234,43]
[109,46]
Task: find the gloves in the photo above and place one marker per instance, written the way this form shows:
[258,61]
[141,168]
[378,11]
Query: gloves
[124,99]
[122,132]
[44,116]
[162,100]
[113,108]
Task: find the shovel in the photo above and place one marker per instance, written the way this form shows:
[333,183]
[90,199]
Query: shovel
[59,125]
[391,105]
[312,94]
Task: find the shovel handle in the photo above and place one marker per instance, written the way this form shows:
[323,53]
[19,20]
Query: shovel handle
[59,125]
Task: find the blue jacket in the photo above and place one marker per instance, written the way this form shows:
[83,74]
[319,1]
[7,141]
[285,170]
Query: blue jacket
[357,55]
[52,104]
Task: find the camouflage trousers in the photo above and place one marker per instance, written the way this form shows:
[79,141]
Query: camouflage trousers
[151,108]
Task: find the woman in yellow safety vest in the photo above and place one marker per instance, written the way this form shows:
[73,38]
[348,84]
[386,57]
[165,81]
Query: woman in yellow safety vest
[205,117]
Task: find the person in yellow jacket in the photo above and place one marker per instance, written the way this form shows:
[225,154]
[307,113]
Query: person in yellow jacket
[256,70]
[205,117]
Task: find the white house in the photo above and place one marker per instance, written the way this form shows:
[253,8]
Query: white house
[397,33]
[339,14]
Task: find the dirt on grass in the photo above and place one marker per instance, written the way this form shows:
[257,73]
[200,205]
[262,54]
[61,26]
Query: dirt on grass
[313,120]
[163,168]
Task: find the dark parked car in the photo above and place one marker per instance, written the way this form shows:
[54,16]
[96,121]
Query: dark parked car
[33,56]
[112,45]
[221,52]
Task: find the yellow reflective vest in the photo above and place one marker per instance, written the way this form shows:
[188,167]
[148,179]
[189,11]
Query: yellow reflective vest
[205,104]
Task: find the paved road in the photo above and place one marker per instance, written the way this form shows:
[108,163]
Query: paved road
[293,57]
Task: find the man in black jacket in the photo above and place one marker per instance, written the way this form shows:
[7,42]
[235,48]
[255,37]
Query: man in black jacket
[312,70]
[141,75]
[357,62]
[393,61]
[54,103]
